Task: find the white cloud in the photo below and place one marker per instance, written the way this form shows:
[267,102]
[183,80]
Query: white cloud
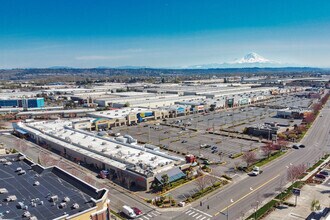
[98,57]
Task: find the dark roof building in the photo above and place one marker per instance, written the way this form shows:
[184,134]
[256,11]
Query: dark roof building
[30,191]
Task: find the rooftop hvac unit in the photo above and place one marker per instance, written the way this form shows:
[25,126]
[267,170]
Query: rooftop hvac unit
[104,143]
[22,172]
[27,214]
[53,198]
[3,190]
[18,169]
[104,150]
[33,218]
[75,206]
[36,183]
[66,199]
[11,198]
[20,205]
[8,163]
[62,205]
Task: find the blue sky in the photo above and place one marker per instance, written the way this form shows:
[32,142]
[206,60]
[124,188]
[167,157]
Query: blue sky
[162,33]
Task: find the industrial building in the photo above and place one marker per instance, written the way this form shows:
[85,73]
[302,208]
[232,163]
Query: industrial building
[23,103]
[128,164]
[30,191]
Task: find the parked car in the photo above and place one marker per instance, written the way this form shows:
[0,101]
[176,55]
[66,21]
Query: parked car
[183,141]
[214,147]
[320,176]
[215,151]
[145,126]
[295,146]
[137,211]
[302,146]
[324,173]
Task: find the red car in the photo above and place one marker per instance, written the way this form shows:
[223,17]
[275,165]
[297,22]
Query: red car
[137,211]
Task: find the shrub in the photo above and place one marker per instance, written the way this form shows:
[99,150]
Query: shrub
[226,177]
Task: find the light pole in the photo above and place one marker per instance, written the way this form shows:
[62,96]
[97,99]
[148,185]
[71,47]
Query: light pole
[255,213]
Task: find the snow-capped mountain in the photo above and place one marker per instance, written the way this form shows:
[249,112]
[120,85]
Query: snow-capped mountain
[249,60]
[253,58]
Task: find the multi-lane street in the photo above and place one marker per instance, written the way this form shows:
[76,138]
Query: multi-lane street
[240,198]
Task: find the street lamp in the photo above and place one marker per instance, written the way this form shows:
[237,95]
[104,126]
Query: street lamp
[255,213]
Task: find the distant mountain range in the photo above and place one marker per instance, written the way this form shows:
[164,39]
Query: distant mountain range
[248,61]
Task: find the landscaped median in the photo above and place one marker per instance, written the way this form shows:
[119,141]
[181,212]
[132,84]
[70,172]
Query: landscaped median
[206,190]
[272,157]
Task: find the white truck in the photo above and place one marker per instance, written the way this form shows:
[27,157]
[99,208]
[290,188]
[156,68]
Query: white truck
[256,171]
[129,211]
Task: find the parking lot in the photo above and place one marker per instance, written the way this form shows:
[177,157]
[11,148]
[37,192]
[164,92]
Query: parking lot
[186,135]
[188,141]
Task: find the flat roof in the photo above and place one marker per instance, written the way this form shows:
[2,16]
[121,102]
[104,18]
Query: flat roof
[52,181]
[103,149]
[57,111]
[118,113]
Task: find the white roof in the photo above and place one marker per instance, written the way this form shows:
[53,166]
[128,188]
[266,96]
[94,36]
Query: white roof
[103,149]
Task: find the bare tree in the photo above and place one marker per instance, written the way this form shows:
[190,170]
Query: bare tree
[294,172]
[201,182]
[212,179]
[249,157]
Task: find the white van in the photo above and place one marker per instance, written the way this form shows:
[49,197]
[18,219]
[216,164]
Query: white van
[129,211]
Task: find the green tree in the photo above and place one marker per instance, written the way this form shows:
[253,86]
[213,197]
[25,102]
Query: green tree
[315,205]
[165,181]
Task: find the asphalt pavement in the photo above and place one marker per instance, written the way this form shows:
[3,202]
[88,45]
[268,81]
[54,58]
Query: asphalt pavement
[241,198]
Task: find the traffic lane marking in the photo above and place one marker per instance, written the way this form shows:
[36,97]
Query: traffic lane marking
[247,195]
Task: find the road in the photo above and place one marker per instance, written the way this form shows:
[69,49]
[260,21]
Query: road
[240,198]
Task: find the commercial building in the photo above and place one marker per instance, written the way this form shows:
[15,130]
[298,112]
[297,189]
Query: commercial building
[53,114]
[128,164]
[24,103]
[30,191]
[127,116]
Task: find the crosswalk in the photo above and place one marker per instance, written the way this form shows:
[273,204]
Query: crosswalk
[150,215]
[197,214]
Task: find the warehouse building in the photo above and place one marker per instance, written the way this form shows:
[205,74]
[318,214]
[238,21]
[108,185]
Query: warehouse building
[127,163]
[30,191]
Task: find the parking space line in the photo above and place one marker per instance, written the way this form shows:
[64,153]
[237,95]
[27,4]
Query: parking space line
[195,215]
[191,213]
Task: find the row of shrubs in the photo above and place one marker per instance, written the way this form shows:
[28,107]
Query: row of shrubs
[205,191]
